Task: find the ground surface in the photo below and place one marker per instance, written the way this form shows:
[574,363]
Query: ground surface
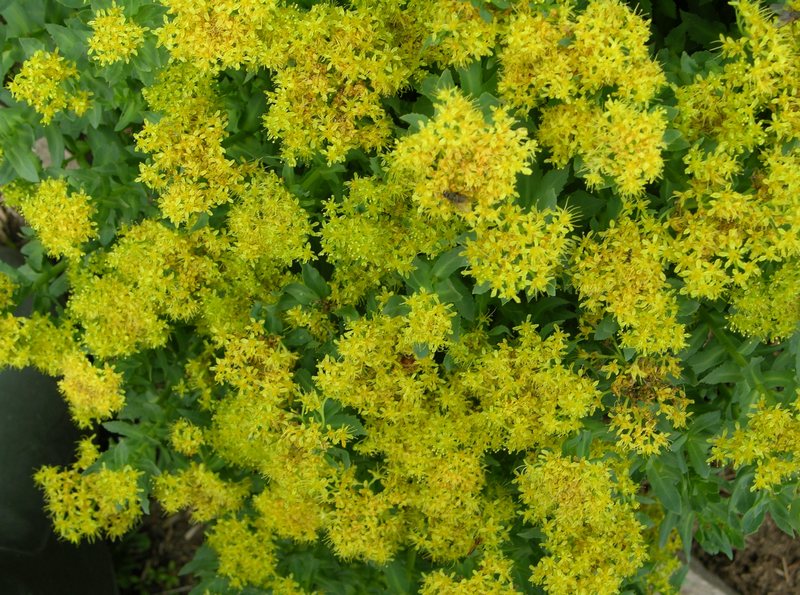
[769,565]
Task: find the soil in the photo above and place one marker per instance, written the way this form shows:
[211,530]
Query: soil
[769,564]
[147,562]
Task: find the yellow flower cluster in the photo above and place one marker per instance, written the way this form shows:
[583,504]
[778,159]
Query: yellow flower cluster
[431,430]
[268,223]
[593,539]
[571,58]
[493,577]
[114,37]
[331,66]
[622,272]
[122,305]
[375,232]
[770,307]
[90,504]
[724,234]
[363,524]
[247,557]
[770,441]
[523,251]
[201,490]
[47,82]
[214,34]
[186,438]
[329,86]
[7,288]
[455,32]
[188,166]
[648,406]
[561,55]
[62,220]
[370,420]
[512,382]
[429,323]
[36,341]
[460,165]
[92,393]
[618,141]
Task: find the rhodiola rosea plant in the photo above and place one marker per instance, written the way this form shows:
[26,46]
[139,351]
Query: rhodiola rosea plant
[428,296]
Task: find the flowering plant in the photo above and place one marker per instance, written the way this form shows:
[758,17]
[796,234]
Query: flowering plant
[436,296]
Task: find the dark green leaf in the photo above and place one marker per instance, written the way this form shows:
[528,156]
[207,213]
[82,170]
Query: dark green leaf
[664,486]
[24,161]
[449,262]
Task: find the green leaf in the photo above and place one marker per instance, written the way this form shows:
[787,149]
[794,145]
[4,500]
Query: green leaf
[59,286]
[431,86]
[34,252]
[487,102]
[726,373]
[397,577]
[550,188]
[675,140]
[301,293]
[686,530]
[24,161]
[664,486]
[71,41]
[415,121]
[742,497]
[340,420]
[697,449]
[607,327]
[55,145]
[23,18]
[126,429]
[471,78]
[204,559]
[314,281]
[396,306]
[421,276]
[454,291]
[707,357]
[448,263]
[753,518]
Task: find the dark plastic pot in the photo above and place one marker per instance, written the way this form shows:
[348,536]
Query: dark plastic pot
[35,430]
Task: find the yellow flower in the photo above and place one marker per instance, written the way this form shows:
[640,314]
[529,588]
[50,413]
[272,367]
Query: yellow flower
[45,82]
[62,220]
[460,165]
[268,223]
[620,141]
[186,438]
[522,251]
[592,538]
[102,503]
[7,288]
[622,273]
[92,393]
[202,491]
[115,38]
[770,441]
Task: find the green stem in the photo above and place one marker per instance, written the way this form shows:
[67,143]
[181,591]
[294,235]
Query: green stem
[54,272]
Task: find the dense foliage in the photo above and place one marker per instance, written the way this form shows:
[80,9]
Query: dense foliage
[429,296]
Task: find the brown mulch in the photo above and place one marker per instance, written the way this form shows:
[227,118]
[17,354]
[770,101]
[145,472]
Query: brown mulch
[769,564]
